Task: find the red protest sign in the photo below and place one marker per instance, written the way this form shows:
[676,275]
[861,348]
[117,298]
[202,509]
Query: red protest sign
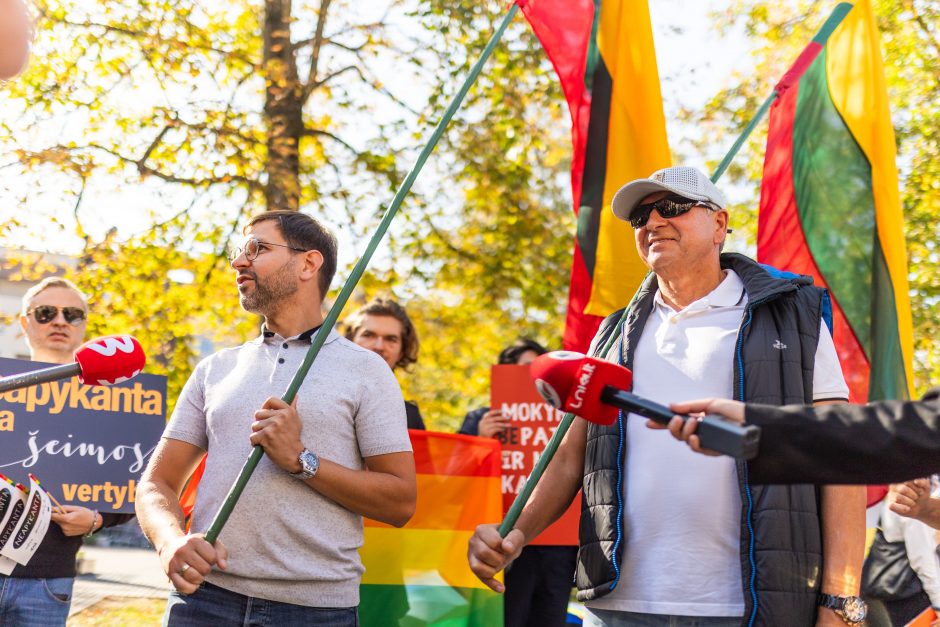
[532,422]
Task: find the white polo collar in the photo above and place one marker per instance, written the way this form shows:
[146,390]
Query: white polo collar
[729,293]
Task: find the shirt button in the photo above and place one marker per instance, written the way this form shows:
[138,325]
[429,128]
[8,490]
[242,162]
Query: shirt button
[285,345]
[280,360]
[674,320]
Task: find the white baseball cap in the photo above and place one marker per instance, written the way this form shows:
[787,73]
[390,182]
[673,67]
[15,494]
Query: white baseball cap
[682,180]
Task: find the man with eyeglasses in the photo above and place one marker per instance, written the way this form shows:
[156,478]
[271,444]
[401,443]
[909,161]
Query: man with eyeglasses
[39,593]
[666,537]
[340,452]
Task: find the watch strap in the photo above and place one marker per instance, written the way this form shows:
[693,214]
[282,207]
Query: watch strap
[829,601]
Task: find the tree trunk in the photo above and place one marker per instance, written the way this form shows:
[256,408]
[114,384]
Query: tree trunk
[283,108]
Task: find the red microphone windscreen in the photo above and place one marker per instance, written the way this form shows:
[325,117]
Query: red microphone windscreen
[592,377]
[575,382]
[553,374]
[110,360]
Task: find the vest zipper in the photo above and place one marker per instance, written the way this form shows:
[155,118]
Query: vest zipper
[747,487]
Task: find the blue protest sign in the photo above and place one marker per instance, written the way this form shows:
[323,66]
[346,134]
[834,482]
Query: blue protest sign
[87,444]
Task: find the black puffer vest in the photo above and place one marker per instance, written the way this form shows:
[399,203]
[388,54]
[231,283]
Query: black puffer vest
[781,541]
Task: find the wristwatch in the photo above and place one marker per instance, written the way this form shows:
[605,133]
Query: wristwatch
[852,610]
[309,464]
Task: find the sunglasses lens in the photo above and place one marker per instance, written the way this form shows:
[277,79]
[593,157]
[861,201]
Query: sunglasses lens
[45,313]
[640,217]
[73,315]
[669,207]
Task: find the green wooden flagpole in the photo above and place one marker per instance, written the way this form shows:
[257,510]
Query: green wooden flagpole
[235,492]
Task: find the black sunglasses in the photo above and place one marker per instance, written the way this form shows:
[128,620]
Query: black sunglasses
[671,206]
[44,314]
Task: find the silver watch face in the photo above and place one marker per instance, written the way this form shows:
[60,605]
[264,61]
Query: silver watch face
[854,609]
[310,463]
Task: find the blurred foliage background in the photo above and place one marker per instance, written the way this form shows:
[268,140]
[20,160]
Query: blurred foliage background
[184,119]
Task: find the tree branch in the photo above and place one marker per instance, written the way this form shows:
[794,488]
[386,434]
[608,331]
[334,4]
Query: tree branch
[315,51]
[308,132]
[310,87]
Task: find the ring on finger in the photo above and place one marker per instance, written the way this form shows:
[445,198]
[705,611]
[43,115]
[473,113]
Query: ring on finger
[184,568]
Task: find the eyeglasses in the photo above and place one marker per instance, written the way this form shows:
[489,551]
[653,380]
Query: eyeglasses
[254,247]
[671,206]
[44,314]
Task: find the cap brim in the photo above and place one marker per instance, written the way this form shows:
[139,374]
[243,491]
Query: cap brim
[629,196]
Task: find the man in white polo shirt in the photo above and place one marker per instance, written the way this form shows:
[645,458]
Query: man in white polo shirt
[668,538]
[340,452]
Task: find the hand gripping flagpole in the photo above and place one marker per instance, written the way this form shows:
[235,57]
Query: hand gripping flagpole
[789,79]
[235,492]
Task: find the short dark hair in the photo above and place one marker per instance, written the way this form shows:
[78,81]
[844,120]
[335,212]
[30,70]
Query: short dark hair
[512,353]
[304,232]
[388,307]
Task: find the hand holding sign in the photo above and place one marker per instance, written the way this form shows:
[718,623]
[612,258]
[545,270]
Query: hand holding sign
[492,424]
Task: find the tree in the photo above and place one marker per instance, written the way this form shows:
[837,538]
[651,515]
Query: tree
[215,112]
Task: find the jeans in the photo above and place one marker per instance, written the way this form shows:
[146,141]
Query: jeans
[212,606]
[35,602]
[610,618]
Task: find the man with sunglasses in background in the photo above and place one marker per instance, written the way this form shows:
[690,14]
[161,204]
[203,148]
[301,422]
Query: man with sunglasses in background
[39,593]
[665,538]
[339,452]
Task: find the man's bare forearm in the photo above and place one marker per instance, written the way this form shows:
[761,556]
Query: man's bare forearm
[159,513]
[386,492]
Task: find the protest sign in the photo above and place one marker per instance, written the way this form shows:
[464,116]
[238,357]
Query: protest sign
[88,444]
[25,527]
[532,422]
[12,504]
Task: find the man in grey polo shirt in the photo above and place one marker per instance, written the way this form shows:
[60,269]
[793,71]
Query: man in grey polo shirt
[338,453]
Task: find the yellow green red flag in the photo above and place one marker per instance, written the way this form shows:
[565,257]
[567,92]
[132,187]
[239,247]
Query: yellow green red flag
[603,54]
[830,206]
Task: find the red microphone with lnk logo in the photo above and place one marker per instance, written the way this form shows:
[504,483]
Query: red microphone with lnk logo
[566,381]
[105,360]
[596,390]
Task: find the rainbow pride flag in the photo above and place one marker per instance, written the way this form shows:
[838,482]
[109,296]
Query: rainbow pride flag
[602,51]
[830,206]
[418,575]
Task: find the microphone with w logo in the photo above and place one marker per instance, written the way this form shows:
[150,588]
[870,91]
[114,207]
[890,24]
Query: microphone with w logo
[105,360]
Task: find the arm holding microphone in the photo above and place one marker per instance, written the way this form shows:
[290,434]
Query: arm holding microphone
[882,442]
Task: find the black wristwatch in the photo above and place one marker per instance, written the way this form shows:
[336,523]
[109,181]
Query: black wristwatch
[852,610]
[309,464]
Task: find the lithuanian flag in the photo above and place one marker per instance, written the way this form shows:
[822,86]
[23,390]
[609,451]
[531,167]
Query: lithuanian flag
[830,206]
[418,575]
[602,51]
